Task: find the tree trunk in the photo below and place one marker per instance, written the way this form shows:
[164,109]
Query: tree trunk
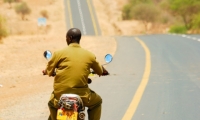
[186,22]
[10,5]
[23,16]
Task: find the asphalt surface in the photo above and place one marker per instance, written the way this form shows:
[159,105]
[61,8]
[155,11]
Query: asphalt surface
[173,88]
[172,92]
[80,14]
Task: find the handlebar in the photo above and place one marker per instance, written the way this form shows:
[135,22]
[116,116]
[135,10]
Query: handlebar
[89,80]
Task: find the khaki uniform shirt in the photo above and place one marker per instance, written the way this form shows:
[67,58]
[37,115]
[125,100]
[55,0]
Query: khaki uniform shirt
[72,65]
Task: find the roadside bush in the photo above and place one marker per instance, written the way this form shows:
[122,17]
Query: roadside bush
[132,3]
[178,29]
[126,12]
[22,9]
[165,5]
[145,12]
[164,19]
[10,2]
[18,0]
[44,13]
[196,21]
[3,31]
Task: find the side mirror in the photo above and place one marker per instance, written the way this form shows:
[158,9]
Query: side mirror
[47,54]
[108,58]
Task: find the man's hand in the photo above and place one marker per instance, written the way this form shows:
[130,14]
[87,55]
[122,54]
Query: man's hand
[44,72]
[105,72]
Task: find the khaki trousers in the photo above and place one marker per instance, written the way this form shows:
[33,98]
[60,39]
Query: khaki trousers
[92,100]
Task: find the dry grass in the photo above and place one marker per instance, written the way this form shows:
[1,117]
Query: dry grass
[109,13]
[16,26]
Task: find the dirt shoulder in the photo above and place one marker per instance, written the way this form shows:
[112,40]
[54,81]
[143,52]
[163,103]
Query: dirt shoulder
[25,90]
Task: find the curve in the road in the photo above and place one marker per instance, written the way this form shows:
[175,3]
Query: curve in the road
[138,95]
[172,92]
[81,14]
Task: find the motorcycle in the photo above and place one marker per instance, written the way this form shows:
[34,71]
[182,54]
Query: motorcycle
[71,106]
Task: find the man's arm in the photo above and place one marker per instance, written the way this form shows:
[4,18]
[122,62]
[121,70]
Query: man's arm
[100,70]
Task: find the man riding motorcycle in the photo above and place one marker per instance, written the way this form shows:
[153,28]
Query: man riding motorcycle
[72,65]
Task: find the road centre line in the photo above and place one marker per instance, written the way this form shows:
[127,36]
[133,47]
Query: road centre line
[92,17]
[70,13]
[81,16]
[138,95]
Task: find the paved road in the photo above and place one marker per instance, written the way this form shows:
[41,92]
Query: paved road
[155,77]
[81,14]
[195,36]
[192,36]
[173,88]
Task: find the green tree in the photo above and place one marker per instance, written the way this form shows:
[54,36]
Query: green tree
[18,0]
[126,12]
[145,13]
[127,8]
[22,9]
[186,9]
[10,2]
[196,21]
[134,2]
[178,29]
[165,5]
[3,31]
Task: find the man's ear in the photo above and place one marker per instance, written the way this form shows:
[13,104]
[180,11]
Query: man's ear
[71,37]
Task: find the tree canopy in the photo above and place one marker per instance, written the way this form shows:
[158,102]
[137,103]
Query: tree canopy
[3,32]
[9,1]
[186,9]
[180,12]
[22,9]
[145,13]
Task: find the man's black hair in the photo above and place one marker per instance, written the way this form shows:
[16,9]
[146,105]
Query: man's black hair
[74,34]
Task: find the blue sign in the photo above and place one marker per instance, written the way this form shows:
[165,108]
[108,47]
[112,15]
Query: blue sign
[42,21]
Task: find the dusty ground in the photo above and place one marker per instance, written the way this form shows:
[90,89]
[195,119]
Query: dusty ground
[25,91]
